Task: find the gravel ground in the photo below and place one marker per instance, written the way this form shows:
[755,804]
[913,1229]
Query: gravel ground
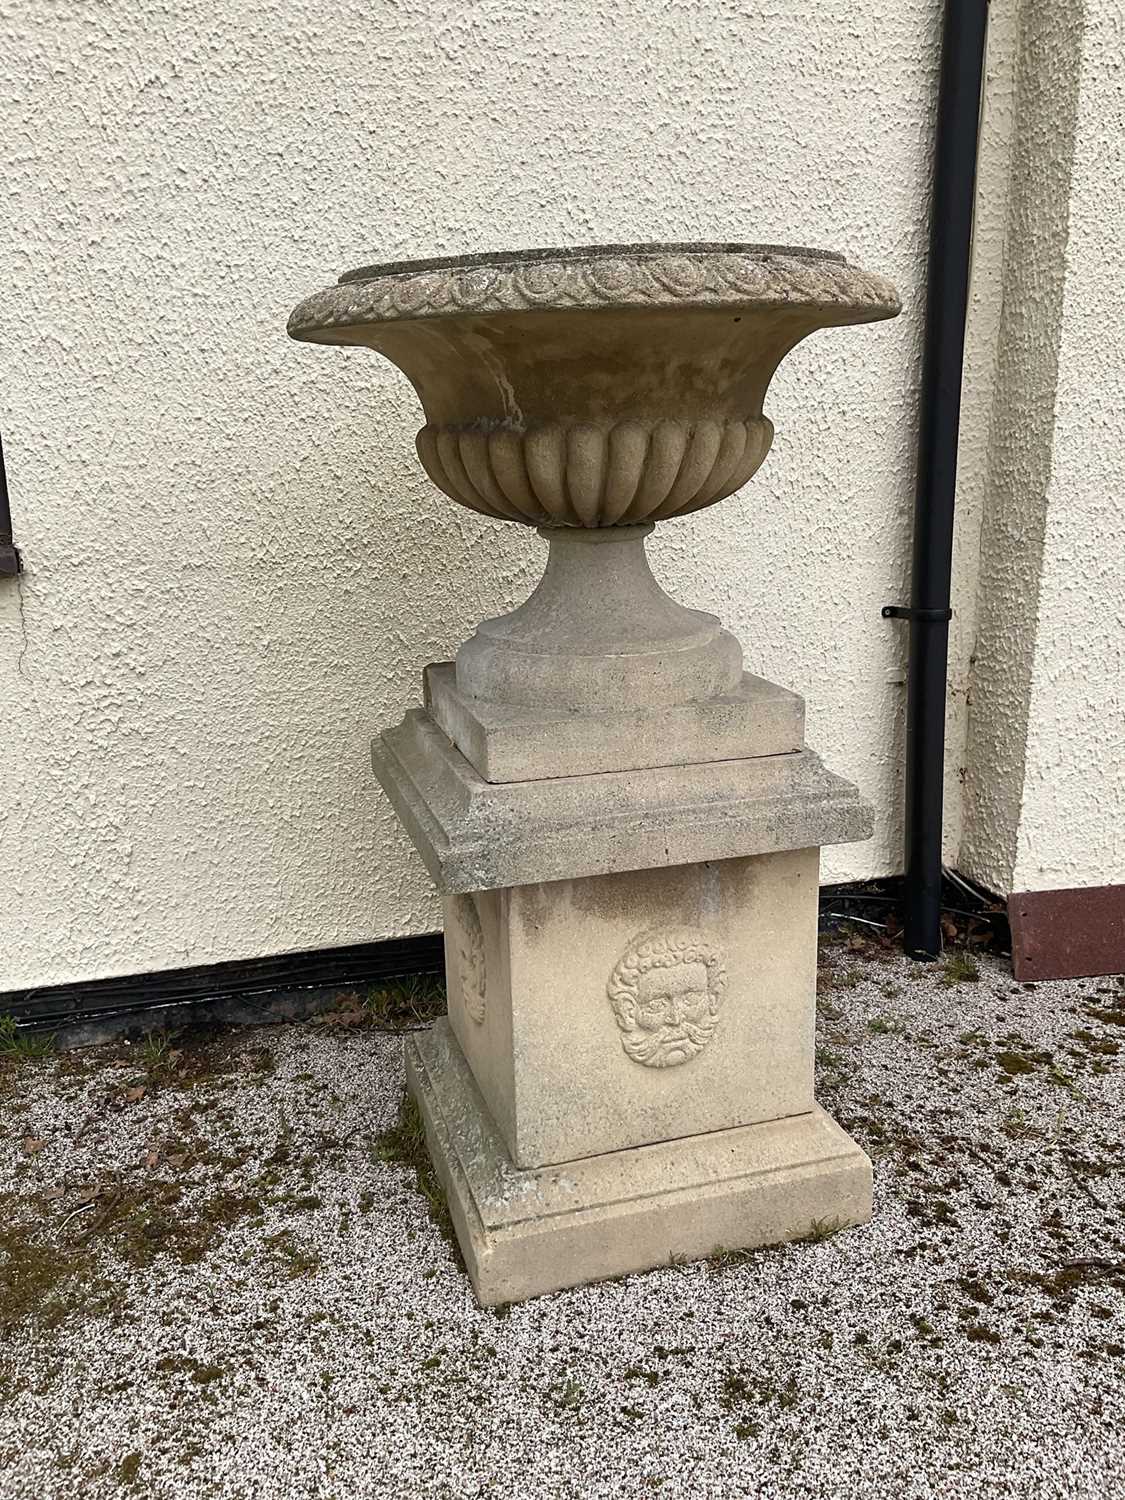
[217,1281]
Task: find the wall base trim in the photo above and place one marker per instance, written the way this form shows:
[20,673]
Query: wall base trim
[241,991]
[290,986]
[1068,934]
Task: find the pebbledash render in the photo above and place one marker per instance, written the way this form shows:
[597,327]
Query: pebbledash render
[625,826]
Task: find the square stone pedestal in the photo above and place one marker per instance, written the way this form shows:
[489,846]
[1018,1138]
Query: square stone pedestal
[626,1074]
[615,1010]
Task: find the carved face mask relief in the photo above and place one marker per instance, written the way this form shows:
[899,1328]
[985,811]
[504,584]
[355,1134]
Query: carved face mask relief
[666,992]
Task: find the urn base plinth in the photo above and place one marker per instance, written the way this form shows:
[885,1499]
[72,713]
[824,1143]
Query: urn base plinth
[626,1072]
[512,742]
[524,1232]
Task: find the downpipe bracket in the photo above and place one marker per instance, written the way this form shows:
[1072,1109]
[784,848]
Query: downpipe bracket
[926,617]
[922,616]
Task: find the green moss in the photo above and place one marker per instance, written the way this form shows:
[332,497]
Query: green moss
[1102,1046]
[128,1468]
[33,1274]
[1015,1063]
[195,1370]
[752,1388]
[1107,1017]
[405,1145]
[977,1333]
[976,1289]
[142,1224]
[56,1265]
[297,1261]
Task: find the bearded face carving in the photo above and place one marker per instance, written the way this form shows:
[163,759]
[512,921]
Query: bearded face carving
[666,992]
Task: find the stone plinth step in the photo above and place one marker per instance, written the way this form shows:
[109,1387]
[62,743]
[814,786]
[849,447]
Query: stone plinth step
[526,1232]
[478,835]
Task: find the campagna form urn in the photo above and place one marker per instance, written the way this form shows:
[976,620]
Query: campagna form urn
[595,391]
[602,387]
[625,825]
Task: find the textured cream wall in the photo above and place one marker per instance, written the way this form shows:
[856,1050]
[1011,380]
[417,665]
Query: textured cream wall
[1016,461]
[1045,802]
[1072,821]
[235,569]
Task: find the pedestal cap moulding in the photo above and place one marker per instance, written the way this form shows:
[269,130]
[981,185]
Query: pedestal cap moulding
[624,824]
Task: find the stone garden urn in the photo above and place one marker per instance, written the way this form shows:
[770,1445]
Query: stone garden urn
[624,823]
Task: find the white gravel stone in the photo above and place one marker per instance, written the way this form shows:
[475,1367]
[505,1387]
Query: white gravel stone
[939,1351]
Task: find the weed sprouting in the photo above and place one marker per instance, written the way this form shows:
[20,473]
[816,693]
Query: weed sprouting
[884,1026]
[568,1396]
[403,1004]
[821,1229]
[961,967]
[721,1258]
[153,1051]
[1018,1127]
[18,1042]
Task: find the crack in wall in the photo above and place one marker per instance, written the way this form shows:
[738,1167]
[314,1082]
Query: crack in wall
[25,639]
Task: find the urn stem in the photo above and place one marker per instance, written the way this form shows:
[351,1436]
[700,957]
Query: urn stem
[599,632]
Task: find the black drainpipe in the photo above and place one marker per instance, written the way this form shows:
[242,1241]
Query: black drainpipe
[9,557]
[951,228]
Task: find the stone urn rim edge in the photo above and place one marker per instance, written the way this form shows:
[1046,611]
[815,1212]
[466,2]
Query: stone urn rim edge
[701,276]
[547,255]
